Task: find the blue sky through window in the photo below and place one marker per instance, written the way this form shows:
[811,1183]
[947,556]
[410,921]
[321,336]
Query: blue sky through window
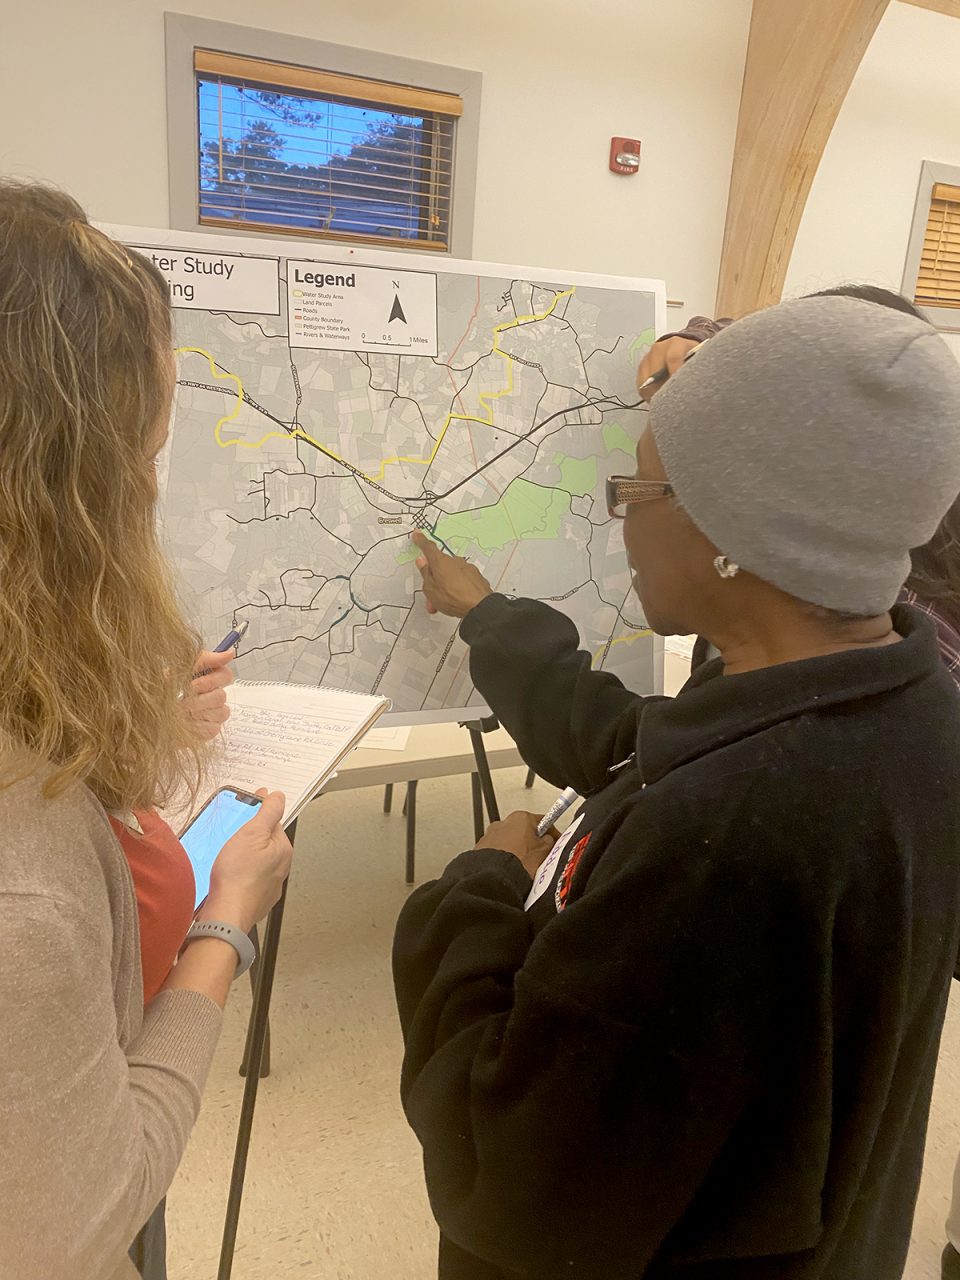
[310,163]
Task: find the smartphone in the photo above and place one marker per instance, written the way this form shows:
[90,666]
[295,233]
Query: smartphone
[221,817]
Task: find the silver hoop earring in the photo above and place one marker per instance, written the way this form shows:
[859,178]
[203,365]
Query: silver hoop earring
[726,567]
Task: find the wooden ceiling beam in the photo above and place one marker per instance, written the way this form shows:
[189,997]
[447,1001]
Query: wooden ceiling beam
[950,7]
[801,60]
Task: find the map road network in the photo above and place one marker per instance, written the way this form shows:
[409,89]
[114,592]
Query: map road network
[306,446]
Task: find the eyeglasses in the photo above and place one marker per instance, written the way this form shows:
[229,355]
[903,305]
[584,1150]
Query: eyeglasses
[622,490]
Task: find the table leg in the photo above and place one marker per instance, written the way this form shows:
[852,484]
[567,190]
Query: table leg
[411,808]
[388,797]
[477,805]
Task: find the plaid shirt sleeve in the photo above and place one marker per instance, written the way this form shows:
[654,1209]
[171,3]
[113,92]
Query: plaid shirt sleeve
[947,637]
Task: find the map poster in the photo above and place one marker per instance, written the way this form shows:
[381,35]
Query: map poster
[332,400]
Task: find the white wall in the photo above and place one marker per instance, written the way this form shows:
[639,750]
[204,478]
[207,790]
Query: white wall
[903,108]
[560,76]
[82,97]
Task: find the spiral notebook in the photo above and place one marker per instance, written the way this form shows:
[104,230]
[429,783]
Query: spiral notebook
[285,737]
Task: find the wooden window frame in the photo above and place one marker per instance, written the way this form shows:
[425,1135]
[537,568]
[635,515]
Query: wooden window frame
[199,46]
[933,175]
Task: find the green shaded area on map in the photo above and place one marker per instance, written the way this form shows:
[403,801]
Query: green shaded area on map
[614,437]
[524,511]
[577,475]
[407,554]
[644,339]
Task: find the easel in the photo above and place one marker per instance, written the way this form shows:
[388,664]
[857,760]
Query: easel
[253,1063]
[255,1055]
[482,781]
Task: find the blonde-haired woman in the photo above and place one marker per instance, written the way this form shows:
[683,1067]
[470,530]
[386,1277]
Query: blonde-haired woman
[106,1042]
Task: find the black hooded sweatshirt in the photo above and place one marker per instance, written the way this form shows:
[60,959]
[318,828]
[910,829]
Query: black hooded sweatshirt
[707,1048]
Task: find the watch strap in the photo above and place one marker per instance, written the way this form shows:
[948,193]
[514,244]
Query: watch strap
[246,951]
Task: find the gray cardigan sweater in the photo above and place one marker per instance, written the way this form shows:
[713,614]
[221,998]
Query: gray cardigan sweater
[97,1096]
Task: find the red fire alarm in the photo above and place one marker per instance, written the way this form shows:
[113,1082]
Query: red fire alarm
[624,155]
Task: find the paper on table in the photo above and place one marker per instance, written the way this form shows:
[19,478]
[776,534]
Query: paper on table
[680,645]
[394,739]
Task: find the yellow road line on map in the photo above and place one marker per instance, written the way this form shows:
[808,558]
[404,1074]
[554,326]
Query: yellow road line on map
[224,377]
[229,417]
[298,432]
[628,639]
[485,396]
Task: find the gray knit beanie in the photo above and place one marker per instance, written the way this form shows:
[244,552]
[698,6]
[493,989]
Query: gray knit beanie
[816,444]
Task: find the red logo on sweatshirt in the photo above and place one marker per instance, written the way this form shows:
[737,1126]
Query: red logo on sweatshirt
[566,875]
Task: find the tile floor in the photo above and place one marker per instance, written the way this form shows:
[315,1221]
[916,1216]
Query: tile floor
[334,1189]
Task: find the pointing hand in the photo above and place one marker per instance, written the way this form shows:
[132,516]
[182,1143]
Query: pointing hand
[451,586]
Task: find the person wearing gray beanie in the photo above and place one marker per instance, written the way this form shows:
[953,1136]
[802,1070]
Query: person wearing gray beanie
[694,1037]
[925,584]
[875,391]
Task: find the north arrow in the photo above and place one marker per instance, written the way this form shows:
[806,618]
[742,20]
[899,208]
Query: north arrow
[396,311]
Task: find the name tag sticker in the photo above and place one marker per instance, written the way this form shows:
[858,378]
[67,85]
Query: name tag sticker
[544,877]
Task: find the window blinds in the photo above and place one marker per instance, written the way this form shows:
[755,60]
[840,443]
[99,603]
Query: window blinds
[315,153]
[938,284]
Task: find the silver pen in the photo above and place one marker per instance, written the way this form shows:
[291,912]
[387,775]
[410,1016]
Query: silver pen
[557,810]
[663,374]
[655,379]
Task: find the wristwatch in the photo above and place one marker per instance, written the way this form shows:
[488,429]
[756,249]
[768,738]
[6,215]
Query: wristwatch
[246,951]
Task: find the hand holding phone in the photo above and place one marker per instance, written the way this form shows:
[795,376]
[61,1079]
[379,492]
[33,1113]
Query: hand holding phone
[240,862]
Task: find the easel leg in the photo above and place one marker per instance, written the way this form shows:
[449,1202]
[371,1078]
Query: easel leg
[531,779]
[477,805]
[254,971]
[253,1055]
[411,812]
[388,797]
[483,770]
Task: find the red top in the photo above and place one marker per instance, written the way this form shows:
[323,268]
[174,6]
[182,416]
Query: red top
[163,883]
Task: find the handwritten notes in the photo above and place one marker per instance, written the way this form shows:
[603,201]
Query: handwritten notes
[286,738]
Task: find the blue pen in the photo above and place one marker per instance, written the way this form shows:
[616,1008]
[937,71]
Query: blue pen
[232,638]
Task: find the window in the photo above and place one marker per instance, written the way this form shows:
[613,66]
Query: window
[291,149]
[938,284]
[932,272]
[367,152]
